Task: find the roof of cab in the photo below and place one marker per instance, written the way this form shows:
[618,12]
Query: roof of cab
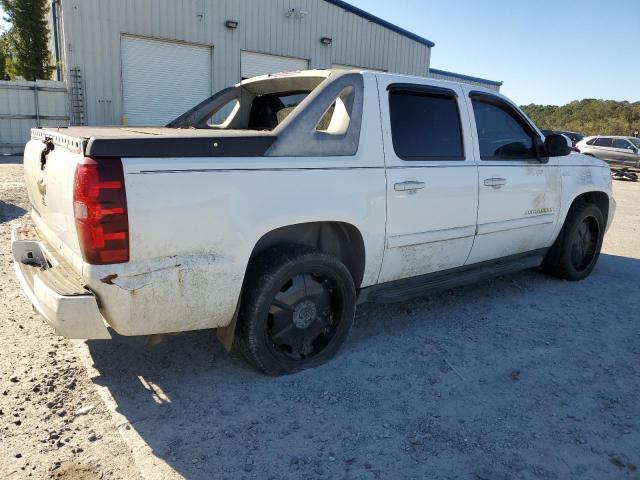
[326,73]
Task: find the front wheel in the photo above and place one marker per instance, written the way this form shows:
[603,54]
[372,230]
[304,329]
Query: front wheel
[577,249]
[297,309]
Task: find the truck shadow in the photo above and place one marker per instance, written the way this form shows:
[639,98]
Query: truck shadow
[464,383]
[9,212]
[10,159]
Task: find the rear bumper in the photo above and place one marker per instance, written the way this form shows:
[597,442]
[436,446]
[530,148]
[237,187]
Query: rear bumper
[55,290]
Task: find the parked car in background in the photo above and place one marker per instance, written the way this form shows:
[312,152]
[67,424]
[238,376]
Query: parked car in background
[618,150]
[570,142]
[575,137]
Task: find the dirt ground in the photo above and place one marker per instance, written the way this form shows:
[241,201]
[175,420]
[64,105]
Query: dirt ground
[52,421]
[523,377]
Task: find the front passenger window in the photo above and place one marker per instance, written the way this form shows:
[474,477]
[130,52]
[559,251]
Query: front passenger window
[623,144]
[500,134]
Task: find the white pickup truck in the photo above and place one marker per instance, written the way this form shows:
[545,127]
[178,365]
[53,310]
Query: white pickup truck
[273,208]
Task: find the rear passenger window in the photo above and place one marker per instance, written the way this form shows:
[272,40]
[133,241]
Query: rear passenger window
[603,142]
[425,126]
[336,119]
[500,134]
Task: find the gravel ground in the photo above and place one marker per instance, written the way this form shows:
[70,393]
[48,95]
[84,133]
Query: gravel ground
[53,423]
[524,377]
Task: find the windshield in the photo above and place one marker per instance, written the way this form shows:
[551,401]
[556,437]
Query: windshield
[635,141]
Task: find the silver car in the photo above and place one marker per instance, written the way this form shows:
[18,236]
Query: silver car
[620,150]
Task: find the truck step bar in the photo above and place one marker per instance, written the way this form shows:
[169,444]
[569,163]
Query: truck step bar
[406,289]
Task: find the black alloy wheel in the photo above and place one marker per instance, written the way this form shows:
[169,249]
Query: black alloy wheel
[296,311]
[585,244]
[576,251]
[303,317]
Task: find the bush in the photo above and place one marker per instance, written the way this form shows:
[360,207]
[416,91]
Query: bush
[590,117]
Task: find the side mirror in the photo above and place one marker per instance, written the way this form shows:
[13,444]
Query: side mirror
[557,146]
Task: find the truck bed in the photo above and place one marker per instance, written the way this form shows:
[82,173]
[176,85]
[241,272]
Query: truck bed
[146,142]
[148,132]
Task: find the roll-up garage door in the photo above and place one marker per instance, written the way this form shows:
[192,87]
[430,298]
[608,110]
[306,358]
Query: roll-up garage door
[255,64]
[162,80]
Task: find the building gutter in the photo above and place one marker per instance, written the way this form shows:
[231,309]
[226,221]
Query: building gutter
[465,77]
[372,18]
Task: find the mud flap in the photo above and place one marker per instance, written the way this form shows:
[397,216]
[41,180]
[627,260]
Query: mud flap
[227,334]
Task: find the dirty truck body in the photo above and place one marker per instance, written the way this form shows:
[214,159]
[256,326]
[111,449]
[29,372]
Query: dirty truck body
[339,187]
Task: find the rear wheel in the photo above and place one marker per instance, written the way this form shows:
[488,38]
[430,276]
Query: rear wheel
[577,249]
[297,309]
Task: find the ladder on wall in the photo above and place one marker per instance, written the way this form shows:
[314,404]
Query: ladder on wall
[77,97]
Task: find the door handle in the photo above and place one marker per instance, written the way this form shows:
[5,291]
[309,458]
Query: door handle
[495,182]
[409,186]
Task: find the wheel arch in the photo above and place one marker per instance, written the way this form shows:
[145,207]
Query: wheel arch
[339,239]
[596,197]
[557,261]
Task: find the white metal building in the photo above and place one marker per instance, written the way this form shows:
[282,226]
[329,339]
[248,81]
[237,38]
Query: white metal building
[123,59]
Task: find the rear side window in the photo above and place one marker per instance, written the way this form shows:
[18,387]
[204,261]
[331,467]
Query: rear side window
[269,111]
[500,134]
[603,142]
[425,126]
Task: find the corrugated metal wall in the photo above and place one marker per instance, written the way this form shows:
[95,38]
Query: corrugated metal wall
[491,86]
[24,105]
[254,64]
[92,31]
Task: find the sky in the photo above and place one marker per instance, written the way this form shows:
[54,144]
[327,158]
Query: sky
[548,51]
[3,24]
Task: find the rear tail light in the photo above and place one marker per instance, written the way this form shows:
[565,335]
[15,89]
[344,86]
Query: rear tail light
[100,210]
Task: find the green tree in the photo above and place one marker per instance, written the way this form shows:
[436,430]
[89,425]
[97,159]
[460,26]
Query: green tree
[4,59]
[7,68]
[589,116]
[29,38]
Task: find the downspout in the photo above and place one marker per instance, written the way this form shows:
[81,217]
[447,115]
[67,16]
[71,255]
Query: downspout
[56,39]
[35,92]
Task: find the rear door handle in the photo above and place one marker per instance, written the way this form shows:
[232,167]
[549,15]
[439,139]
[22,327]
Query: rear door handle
[495,182]
[409,186]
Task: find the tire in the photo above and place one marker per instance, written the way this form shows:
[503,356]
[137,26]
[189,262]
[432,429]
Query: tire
[575,253]
[297,309]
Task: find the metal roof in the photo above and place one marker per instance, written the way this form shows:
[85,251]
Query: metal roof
[465,77]
[372,18]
